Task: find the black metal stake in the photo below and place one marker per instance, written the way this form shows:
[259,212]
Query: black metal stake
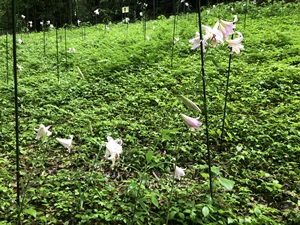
[16,107]
[205,104]
[7,57]
[66,45]
[44,34]
[57,59]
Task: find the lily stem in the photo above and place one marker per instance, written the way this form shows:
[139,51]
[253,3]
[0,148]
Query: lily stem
[172,187]
[174,31]
[205,104]
[226,98]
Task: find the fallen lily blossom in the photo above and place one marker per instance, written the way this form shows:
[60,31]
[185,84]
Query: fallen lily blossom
[235,43]
[113,149]
[42,131]
[66,142]
[179,172]
[193,123]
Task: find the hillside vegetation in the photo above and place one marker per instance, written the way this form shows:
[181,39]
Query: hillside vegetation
[119,82]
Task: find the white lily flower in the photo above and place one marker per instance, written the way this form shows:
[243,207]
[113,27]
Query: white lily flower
[42,131]
[66,142]
[235,18]
[196,41]
[72,50]
[51,26]
[23,17]
[97,12]
[213,34]
[235,43]
[20,67]
[30,23]
[176,40]
[179,172]
[113,149]
[227,28]
[48,22]
[42,23]
[141,13]
[20,41]
[127,19]
[78,22]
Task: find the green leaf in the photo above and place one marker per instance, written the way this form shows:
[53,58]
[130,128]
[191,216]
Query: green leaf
[230,220]
[257,211]
[172,214]
[31,211]
[154,200]
[204,175]
[215,170]
[228,184]
[149,156]
[205,211]
[181,215]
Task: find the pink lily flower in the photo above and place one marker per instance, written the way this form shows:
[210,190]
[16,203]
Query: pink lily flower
[193,123]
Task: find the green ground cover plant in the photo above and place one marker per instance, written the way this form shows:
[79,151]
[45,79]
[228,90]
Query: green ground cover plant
[119,84]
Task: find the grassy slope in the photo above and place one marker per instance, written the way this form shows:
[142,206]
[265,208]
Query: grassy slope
[130,92]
